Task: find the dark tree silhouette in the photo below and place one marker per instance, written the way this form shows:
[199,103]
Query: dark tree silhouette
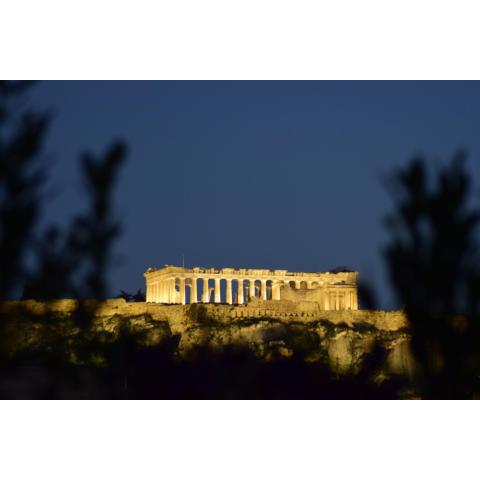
[138,296]
[434,267]
[75,263]
[72,263]
[97,230]
[341,269]
[21,180]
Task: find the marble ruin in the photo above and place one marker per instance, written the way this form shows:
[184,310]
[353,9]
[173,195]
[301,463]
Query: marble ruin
[179,285]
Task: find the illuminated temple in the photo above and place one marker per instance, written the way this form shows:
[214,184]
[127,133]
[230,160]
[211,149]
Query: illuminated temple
[179,285]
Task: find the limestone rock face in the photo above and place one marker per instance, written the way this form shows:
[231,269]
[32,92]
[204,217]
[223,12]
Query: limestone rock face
[400,358]
[341,340]
[343,348]
[340,352]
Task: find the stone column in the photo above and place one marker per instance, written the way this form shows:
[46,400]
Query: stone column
[275,290]
[355,300]
[182,291]
[251,288]
[167,291]
[297,284]
[240,291]
[229,291]
[264,289]
[309,284]
[205,294]
[217,296]
[326,298]
[193,291]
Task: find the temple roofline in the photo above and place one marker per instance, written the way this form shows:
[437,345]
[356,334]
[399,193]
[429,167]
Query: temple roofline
[245,271]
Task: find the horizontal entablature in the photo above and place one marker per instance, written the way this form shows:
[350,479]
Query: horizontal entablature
[170,271]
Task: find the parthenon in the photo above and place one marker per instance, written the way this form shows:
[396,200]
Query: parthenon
[179,285]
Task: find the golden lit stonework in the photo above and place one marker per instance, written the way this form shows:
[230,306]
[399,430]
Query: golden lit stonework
[178,285]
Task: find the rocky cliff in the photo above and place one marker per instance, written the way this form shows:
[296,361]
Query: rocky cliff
[342,340]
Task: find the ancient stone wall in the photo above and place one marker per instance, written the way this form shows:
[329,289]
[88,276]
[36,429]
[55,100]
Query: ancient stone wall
[179,316]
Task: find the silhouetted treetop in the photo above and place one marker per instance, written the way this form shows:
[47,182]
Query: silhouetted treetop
[434,268]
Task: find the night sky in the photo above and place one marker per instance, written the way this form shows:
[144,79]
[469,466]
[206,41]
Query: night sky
[252,174]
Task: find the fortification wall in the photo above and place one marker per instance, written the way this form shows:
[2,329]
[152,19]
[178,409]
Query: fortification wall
[179,317]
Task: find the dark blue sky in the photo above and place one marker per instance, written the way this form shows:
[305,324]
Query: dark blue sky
[253,174]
